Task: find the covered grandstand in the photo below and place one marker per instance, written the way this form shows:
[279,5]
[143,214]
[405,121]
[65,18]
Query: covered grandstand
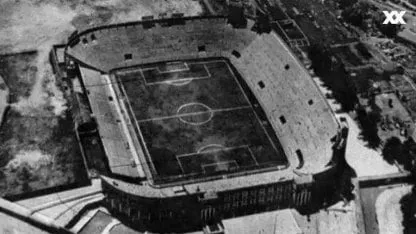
[154,86]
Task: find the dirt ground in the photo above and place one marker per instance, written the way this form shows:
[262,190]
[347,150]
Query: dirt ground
[37,142]
[38,147]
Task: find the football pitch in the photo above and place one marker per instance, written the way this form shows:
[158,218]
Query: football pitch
[198,119]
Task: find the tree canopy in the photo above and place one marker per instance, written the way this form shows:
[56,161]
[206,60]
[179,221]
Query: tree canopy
[403,153]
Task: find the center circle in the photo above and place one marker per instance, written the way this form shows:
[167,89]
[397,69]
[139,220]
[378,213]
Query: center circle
[195,113]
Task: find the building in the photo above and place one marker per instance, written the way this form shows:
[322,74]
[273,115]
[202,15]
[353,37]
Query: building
[276,145]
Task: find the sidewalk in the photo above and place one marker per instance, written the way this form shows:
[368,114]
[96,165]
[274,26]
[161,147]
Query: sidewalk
[64,206]
[364,161]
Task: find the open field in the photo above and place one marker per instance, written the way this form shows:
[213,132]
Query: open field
[38,152]
[196,120]
[38,146]
[18,72]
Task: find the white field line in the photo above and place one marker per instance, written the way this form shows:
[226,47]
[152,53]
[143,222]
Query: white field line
[193,104]
[169,71]
[255,113]
[125,129]
[216,150]
[180,165]
[129,70]
[206,69]
[181,79]
[192,114]
[219,163]
[252,155]
[138,127]
[196,123]
[200,150]
[178,80]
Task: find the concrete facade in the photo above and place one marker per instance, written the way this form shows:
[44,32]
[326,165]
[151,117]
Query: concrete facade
[302,119]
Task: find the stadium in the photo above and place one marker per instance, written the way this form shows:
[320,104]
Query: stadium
[202,121]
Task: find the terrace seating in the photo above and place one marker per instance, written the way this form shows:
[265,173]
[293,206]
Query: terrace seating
[157,44]
[116,146]
[288,91]
[310,125]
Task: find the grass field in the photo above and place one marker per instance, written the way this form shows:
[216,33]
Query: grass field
[196,120]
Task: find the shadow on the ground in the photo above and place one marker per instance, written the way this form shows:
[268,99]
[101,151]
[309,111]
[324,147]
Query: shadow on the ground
[333,75]
[408,208]
[339,187]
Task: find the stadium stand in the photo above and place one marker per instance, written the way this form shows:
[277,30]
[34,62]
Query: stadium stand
[301,118]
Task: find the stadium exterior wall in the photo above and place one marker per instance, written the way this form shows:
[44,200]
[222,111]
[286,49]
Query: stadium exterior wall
[145,210]
[189,211]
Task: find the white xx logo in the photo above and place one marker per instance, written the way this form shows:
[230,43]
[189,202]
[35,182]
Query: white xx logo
[394,17]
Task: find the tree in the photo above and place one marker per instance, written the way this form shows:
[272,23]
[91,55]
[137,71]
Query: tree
[402,153]
[408,208]
[357,13]
[26,187]
[391,149]
[262,23]
[410,156]
[236,17]
[389,30]
[24,176]
[333,75]
[369,129]
[24,173]
[346,3]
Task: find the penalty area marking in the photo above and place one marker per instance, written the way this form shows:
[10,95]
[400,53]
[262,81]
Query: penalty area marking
[178,81]
[218,165]
[218,146]
[213,151]
[252,155]
[178,157]
[180,165]
[185,64]
[138,69]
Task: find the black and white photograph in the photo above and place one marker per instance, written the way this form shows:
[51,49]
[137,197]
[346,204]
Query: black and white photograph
[208,116]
